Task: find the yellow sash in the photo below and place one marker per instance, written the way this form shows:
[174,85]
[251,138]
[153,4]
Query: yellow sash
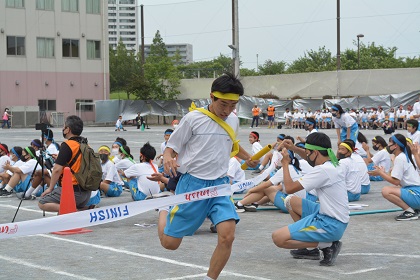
[223,124]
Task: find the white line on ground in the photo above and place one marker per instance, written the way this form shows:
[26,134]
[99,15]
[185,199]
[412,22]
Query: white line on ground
[49,269]
[149,257]
[382,255]
[27,209]
[361,271]
[4,201]
[185,277]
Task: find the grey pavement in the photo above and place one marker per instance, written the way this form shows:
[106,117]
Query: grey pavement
[374,246]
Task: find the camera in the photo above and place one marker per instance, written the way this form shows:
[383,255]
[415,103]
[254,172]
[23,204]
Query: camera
[41,126]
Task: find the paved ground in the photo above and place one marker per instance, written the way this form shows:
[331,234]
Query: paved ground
[374,246]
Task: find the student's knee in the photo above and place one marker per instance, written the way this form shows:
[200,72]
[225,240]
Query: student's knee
[226,233]
[280,237]
[388,191]
[170,243]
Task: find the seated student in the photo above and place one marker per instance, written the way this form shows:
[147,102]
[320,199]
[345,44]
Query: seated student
[37,145]
[270,157]
[415,150]
[273,189]
[140,186]
[387,126]
[349,168]
[310,126]
[316,225]
[405,191]
[115,147]
[15,154]
[166,136]
[111,183]
[361,138]
[365,181]
[381,158]
[254,140]
[20,180]
[412,131]
[125,161]
[4,156]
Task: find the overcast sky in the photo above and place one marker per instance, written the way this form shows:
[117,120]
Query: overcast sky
[283,30]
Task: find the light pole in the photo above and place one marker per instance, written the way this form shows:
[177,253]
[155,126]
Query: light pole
[257,63]
[358,49]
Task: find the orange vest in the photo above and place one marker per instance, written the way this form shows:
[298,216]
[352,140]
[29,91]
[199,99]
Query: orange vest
[270,110]
[255,111]
[74,146]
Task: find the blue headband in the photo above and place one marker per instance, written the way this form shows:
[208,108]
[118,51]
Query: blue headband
[35,144]
[281,137]
[396,141]
[309,122]
[335,108]
[168,133]
[48,138]
[15,153]
[118,143]
[300,145]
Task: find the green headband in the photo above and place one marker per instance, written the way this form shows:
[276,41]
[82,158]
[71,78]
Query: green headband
[125,153]
[29,152]
[331,154]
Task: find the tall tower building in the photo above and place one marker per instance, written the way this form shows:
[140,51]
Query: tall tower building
[123,23]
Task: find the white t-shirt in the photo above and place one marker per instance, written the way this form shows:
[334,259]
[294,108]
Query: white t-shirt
[287,115]
[345,120]
[118,123]
[52,150]
[401,114]
[162,147]
[28,166]
[3,160]
[203,146]
[363,115]
[415,137]
[416,108]
[123,164]
[256,147]
[381,115]
[275,162]
[142,171]
[404,171]
[352,175]
[109,173]
[235,172]
[382,158]
[277,179]
[360,149]
[16,164]
[330,186]
[362,168]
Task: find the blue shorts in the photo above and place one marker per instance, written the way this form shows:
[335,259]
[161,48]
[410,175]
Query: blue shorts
[365,189]
[354,131]
[185,219]
[94,200]
[353,196]
[391,119]
[316,227]
[135,193]
[364,120]
[114,190]
[411,196]
[327,119]
[371,167]
[311,197]
[270,118]
[279,201]
[161,169]
[23,186]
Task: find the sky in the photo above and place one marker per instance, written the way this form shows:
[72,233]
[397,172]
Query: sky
[282,30]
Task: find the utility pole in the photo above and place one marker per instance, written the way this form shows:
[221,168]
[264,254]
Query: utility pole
[142,40]
[338,48]
[235,38]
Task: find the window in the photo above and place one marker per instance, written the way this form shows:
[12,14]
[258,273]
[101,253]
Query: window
[126,1]
[93,6]
[127,14]
[86,108]
[70,48]
[45,47]
[15,45]
[112,1]
[47,105]
[47,5]
[15,3]
[70,5]
[93,49]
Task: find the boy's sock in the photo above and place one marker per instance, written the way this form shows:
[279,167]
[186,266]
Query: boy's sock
[322,245]
[409,209]
[29,192]
[261,167]
[239,203]
[8,188]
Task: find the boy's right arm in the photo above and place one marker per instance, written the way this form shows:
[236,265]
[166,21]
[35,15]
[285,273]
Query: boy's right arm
[169,163]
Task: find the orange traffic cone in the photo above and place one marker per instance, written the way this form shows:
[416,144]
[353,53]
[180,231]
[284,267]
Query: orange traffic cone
[68,202]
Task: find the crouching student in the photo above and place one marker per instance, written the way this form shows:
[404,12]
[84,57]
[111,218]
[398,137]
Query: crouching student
[406,190]
[20,180]
[316,225]
[140,186]
[350,170]
[111,183]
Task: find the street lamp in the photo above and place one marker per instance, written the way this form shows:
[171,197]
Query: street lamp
[358,49]
[257,63]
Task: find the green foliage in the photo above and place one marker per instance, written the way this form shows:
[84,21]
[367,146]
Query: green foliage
[313,61]
[207,69]
[268,95]
[272,68]
[248,72]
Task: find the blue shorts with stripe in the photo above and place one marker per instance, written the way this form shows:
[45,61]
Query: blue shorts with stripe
[354,131]
[136,195]
[411,196]
[315,227]
[279,201]
[23,186]
[365,189]
[94,200]
[114,190]
[185,219]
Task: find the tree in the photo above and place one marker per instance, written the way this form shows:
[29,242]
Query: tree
[207,69]
[272,67]
[313,61]
[161,75]
[248,72]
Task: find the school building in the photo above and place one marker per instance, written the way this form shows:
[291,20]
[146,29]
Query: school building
[53,59]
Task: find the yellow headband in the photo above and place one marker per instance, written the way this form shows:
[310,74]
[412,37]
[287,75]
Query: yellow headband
[227,96]
[347,147]
[409,140]
[106,148]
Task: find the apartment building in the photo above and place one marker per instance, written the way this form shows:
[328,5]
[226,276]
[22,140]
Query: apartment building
[185,51]
[123,23]
[53,58]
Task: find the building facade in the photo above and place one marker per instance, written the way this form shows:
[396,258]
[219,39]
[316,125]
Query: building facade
[185,51]
[53,54]
[123,23]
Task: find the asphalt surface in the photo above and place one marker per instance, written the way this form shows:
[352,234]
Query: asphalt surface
[374,246]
